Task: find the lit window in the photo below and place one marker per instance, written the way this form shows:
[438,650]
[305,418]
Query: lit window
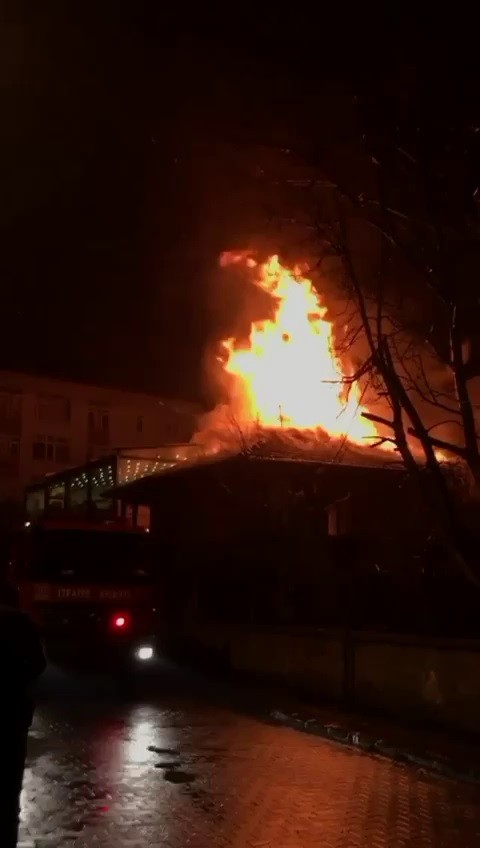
[340,517]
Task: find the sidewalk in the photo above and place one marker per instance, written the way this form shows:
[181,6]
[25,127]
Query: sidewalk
[437,751]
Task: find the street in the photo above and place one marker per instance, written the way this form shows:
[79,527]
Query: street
[174,766]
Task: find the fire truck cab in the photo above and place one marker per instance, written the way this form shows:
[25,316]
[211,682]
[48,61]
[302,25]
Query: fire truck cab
[89,587]
[84,572]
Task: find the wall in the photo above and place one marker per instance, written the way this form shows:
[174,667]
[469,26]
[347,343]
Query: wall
[231,497]
[310,663]
[436,680]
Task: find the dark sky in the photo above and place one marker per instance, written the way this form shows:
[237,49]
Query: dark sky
[129,144]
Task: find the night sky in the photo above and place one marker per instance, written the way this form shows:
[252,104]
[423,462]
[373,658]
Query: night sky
[133,145]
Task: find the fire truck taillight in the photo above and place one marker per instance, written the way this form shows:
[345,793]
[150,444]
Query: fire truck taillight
[120,621]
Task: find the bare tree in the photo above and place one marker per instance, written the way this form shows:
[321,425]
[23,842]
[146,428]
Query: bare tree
[414,203]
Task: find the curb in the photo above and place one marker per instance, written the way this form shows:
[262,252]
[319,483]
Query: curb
[371,745]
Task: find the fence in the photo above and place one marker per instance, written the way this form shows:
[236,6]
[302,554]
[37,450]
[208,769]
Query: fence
[421,679]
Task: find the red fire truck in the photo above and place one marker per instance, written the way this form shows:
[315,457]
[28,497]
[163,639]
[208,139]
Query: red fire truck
[83,563]
[85,575]
[89,587]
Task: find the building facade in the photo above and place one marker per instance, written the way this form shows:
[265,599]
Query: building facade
[47,425]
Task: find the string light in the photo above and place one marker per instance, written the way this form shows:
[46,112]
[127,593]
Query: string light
[125,470]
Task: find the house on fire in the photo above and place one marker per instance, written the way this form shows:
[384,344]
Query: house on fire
[267,537]
[222,499]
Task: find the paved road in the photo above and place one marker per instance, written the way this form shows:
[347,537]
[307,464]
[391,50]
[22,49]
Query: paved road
[175,768]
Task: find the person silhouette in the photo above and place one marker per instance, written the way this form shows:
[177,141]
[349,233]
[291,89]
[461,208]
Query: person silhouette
[22,661]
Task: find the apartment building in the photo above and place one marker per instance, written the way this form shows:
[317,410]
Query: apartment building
[47,425]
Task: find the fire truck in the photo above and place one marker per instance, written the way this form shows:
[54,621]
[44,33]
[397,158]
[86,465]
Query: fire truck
[83,566]
[88,586]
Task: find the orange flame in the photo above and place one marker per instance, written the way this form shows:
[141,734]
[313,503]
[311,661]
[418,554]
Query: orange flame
[289,375]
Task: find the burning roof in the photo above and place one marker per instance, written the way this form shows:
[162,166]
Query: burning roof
[299,446]
[274,449]
[286,382]
[289,394]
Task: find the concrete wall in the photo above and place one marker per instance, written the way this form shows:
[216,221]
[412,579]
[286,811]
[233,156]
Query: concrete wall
[307,661]
[436,680]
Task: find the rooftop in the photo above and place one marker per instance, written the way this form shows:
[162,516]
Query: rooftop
[43,382]
[274,451]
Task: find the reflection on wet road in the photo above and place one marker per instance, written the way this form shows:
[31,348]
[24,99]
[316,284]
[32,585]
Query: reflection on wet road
[173,767]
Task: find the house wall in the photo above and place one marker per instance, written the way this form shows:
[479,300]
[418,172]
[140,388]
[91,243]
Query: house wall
[226,500]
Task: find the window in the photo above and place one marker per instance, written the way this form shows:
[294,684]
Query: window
[39,450]
[139,423]
[9,448]
[35,502]
[340,517]
[9,405]
[92,556]
[98,420]
[56,496]
[53,409]
[51,449]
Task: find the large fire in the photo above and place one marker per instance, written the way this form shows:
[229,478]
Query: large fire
[288,374]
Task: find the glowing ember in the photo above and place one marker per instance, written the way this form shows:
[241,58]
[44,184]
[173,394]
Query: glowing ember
[289,374]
